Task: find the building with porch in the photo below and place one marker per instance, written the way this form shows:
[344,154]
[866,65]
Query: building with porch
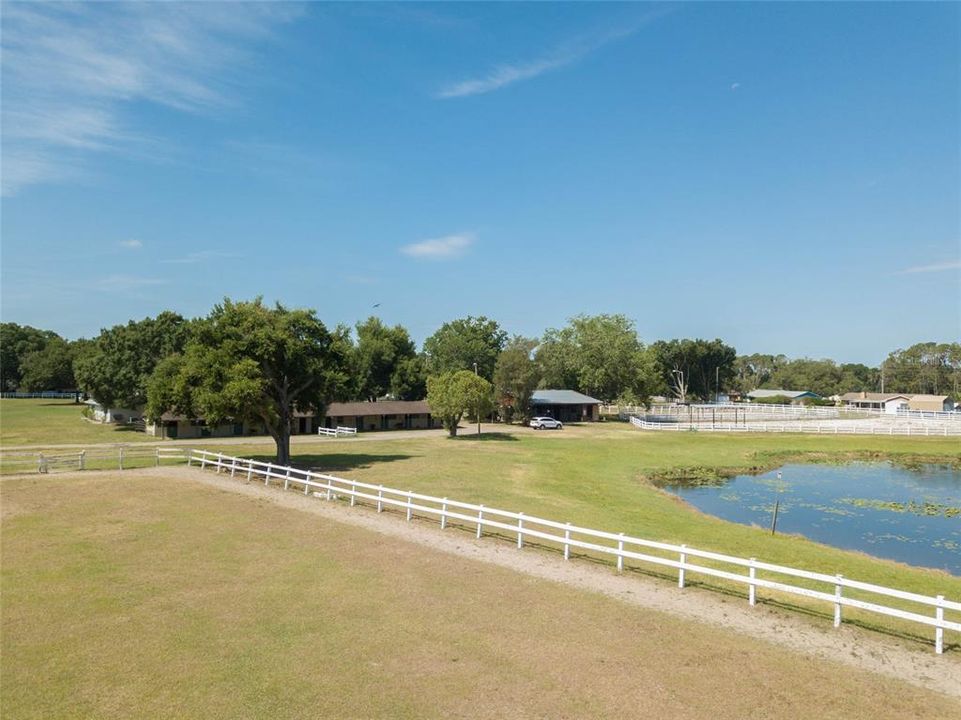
[565,405]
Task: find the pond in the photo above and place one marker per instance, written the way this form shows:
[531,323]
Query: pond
[910,515]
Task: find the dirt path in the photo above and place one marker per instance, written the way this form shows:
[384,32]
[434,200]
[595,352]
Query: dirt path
[850,645]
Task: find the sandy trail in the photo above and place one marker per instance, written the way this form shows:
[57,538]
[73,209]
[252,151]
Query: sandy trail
[850,645]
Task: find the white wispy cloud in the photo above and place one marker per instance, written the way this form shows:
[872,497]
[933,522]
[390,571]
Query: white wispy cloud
[201,256]
[132,244]
[566,54]
[72,71]
[442,248]
[116,283]
[935,267]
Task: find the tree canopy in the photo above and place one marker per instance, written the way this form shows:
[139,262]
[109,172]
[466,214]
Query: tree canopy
[250,362]
[385,362]
[694,368]
[516,376]
[116,366]
[51,368]
[16,343]
[598,355]
[451,394]
[459,344]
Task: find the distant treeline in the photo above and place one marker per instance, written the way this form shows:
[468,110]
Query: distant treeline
[598,355]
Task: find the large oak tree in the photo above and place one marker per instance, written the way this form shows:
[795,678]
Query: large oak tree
[250,362]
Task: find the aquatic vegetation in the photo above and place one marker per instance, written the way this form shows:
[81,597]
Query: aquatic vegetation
[916,508]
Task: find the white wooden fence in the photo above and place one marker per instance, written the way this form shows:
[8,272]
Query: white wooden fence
[863,427]
[830,588]
[120,457]
[337,431]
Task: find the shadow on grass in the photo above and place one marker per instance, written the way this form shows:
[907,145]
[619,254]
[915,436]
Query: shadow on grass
[338,462]
[484,437]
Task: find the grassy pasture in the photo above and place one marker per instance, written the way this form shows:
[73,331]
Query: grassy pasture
[599,477]
[54,422]
[134,595]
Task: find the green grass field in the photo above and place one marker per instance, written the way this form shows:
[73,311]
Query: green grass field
[598,477]
[55,422]
[132,595]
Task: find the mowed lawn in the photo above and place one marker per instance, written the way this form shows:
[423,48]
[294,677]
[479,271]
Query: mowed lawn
[595,476]
[137,595]
[55,422]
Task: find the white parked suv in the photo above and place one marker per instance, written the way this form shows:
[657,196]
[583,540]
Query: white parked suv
[546,423]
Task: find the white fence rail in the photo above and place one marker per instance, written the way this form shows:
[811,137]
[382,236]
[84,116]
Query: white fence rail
[835,428]
[120,457]
[337,431]
[45,395]
[620,546]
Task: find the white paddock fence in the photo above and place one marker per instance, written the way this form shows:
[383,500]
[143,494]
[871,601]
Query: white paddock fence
[337,431]
[622,547]
[119,457]
[863,427]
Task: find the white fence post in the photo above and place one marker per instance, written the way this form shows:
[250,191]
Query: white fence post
[752,588]
[233,467]
[620,553]
[939,631]
[287,479]
[680,572]
[190,457]
[409,512]
[306,486]
[267,474]
[329,489]
[837,602]
[158,457]
[250,470]
[443,514]
[220,462]
[353,494]
[83,459]
[41,464]
[121,458]
[480,518]
[203,460]
[380,495]
[520,531]
[567,546]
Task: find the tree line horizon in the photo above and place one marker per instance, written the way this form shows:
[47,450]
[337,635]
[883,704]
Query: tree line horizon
[249,360]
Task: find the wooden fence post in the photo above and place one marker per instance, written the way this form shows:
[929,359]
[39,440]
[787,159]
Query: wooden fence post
[837,602]
[520,531]
[620,553]
[680,572]
[939,631]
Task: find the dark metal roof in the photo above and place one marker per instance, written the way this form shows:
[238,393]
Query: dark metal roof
[562,397]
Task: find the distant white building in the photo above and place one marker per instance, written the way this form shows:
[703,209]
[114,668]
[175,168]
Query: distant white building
[893,402]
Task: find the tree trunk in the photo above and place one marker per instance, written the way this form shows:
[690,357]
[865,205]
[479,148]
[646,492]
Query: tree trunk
[283,444]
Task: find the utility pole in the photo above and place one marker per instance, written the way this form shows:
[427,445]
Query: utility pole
[478,409]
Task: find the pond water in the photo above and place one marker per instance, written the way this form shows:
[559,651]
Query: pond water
[909,515]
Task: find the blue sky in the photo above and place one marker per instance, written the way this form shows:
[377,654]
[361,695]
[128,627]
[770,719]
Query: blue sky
[783,176]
